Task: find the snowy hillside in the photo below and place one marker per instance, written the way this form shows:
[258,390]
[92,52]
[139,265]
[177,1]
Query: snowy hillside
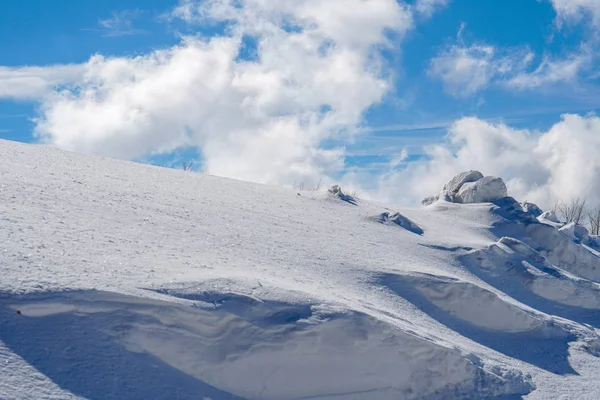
[126,281]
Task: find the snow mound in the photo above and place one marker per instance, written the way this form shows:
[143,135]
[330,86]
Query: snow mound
[470,187]
[575,232]
[399,220]
[247,348]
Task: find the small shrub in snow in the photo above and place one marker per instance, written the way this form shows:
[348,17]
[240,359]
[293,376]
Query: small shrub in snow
[594,220]
[429,200]
[301,186]
[573,210]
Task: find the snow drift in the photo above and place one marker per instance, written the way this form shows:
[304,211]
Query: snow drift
[126,281]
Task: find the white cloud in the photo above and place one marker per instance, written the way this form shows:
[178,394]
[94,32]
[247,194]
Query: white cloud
[318,70]
[552,71]
[26,83]
[120,24]
[428,7]
[465,70]
[576,10]
[537,166]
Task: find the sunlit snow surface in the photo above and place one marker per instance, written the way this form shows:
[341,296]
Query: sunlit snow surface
[126,281]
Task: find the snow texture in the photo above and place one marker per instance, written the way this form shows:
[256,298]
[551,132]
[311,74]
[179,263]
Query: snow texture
[126,281]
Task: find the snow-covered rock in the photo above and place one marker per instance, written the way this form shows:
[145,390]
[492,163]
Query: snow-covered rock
[484,190]
[470,187]
[456,183]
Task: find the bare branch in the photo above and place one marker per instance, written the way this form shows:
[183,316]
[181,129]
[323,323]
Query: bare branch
[573,210]
[188,166]
[594,220]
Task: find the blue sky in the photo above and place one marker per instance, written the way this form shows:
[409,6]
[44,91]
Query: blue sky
[519,62]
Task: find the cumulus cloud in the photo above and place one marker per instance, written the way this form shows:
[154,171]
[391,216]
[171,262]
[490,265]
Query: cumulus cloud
[537,166]
[27,83]
[317,69]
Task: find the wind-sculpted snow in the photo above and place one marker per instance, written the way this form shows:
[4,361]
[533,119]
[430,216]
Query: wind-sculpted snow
[118,346]
[123,281]
[487,319]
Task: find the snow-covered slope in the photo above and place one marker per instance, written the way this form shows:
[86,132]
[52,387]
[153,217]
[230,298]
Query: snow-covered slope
[126,281]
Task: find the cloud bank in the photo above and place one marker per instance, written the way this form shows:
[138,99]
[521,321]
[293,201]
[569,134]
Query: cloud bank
[537,166]
[259,100]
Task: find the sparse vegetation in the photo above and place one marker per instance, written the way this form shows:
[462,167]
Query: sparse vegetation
[302,187]
[594,220]
[573,210]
